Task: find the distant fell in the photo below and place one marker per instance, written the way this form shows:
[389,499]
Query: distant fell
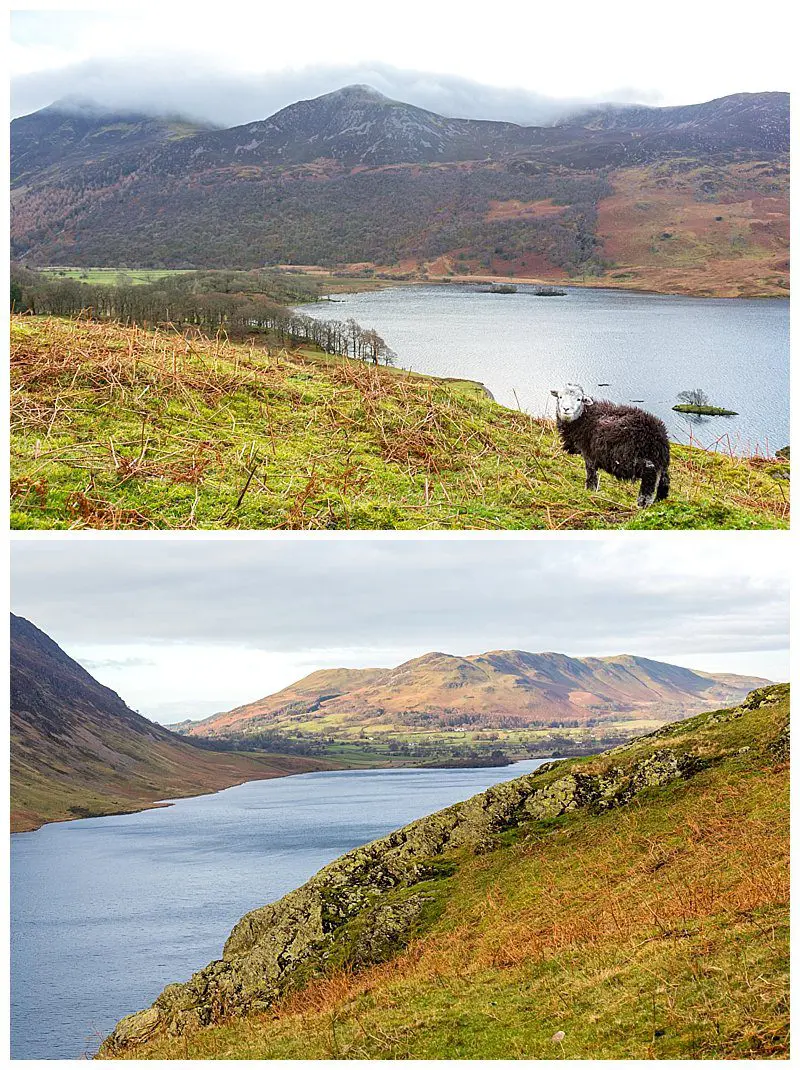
[501,688]
[72,133]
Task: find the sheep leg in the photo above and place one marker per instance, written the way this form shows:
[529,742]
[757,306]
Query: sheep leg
[649,487]
[663,487]
[592,476]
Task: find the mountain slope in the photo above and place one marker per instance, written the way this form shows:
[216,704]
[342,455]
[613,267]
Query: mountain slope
[71,134]
[311,185]
[501,688]
[77,750]
[758,120]
[630,906]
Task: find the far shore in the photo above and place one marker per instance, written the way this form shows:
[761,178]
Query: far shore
[354,282]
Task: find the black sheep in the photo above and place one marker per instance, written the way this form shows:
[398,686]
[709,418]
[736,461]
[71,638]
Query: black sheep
[624,441]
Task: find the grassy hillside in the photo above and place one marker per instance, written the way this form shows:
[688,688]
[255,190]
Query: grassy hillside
[692,226]
[633,905]
[117,427]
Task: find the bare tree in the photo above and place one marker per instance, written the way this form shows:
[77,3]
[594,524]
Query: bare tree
[694,397]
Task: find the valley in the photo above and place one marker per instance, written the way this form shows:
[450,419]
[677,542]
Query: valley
[78,751]
[569,908]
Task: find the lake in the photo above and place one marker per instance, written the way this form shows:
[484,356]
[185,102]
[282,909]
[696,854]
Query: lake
[106,911]
[647,347]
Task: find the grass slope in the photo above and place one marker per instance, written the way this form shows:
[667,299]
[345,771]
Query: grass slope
[656,928]
[116,427]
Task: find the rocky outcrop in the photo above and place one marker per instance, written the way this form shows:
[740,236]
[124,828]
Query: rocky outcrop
[368,904]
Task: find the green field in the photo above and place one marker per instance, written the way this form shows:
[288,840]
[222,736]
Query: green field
[120,427]
[112,276]
[384,745]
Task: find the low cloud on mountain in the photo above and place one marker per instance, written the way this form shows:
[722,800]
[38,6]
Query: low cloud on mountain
[228,98]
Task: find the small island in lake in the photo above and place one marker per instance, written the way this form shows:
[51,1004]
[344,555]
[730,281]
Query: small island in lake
[704,410]
[698,402]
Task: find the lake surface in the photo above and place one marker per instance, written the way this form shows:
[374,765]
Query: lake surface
[647,347]
[107,911]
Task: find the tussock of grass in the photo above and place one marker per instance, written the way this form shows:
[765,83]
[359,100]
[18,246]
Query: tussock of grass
[655,930]
[116,427]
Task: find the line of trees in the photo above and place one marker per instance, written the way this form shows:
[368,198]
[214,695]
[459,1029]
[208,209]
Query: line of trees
[236,303]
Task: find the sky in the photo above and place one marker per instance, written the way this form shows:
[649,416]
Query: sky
[188,626]
[521,61]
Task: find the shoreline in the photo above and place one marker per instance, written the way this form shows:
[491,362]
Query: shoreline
[162,804]
[369,282]
[338,281]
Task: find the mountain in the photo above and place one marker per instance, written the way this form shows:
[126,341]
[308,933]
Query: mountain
[73,133]
[634,905]
[759,121]
[503,688]
[593,196]
[78,751]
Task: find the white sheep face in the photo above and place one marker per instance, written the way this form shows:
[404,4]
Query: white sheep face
[570,402]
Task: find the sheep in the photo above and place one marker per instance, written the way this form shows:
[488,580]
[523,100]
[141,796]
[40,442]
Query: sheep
[626,442]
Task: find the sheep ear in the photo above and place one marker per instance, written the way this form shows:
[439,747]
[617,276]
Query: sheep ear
[588,401]
[554,393]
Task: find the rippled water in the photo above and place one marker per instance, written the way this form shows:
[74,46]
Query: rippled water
[107,911]
[647,347]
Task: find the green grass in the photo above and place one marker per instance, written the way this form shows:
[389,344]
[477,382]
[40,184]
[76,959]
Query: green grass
[125,428]
[657,929]
[113,276]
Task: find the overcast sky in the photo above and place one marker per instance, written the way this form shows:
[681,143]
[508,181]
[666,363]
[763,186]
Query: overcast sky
[191,626]
[518,60]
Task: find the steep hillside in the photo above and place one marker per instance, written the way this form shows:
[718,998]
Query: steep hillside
[310,185]
[510,688]
[78,751]
[630,906]
[117,427]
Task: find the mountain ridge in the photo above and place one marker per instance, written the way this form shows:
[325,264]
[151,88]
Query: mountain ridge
[499,687]
[310,185]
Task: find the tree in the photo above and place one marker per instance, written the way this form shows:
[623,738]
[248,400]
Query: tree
[694,397]
[16,297]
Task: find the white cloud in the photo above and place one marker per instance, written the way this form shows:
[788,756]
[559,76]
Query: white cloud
[511,63]
[231,619]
